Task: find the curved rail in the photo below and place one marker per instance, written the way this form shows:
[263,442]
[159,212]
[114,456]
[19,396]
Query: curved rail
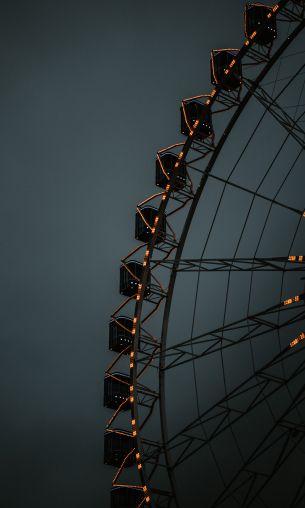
[166,195]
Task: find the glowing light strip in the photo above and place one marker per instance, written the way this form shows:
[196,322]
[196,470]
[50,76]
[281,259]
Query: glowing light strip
[164,196]
[115,319]
[297,340]
[296,259]
[116,413]
[107,371]
[150,198]
[289,301]
[123,304]
[143,218]
[170,147]
[162,168]
[136,249]
[130,271]
[120,469]
[113,376]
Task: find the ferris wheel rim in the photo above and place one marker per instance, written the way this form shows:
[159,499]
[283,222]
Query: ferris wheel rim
[236,115]
[198,194]
[161,210]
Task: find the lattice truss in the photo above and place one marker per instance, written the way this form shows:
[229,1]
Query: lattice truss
[206,385]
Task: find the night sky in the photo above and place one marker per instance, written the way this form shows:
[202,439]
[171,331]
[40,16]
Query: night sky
[89,91]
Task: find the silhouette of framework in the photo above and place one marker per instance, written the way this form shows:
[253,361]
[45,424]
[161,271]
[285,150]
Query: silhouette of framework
[182,186]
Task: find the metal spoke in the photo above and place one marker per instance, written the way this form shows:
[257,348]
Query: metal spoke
[229,410]
[300,495]
[278,112]
[284,436]
[242,330]
[278,264]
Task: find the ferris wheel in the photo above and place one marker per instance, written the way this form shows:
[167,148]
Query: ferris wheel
[206,390]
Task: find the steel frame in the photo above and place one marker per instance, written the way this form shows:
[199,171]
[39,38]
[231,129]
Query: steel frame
[281,264]
[149,351]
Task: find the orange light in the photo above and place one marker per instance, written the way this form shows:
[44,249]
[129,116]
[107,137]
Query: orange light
[134,433]
[195,125]
[145,488]
[298,339]
[132,354]
[131,365]
[269,15]
[137,457]
[208,101]
[133,422]
[300,259]
[131,399]
[289,301]
[139,466]
[181,153]
[147,499]
[232,63]
[131,388]
[227,71]
[247,43]
[275,8]
[253,35]
[134,319]
[133,331]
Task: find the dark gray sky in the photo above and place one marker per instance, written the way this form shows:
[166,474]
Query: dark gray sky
[89,91]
